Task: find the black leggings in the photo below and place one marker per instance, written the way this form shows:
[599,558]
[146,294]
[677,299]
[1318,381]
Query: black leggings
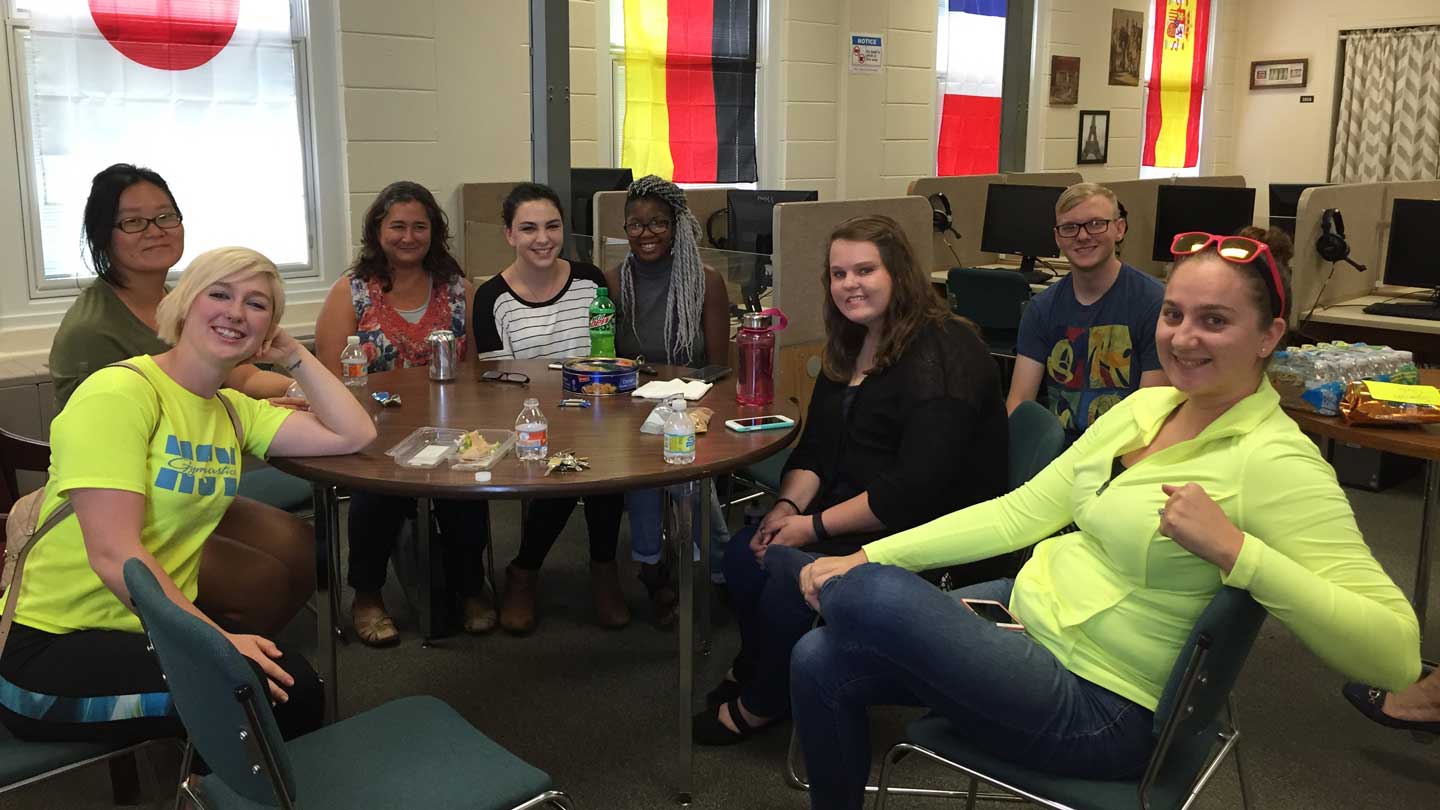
[72,686]
[547,517]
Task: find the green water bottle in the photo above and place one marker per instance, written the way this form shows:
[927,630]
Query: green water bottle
[602,325]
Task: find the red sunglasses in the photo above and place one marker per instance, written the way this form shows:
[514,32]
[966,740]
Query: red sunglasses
[1236,250]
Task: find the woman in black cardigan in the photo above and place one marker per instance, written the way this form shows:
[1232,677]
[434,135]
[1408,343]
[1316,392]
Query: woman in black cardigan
[907,423]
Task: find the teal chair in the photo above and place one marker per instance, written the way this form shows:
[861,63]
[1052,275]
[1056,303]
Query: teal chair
[412,752]
[1191,736]
[1036,439]
[993,299]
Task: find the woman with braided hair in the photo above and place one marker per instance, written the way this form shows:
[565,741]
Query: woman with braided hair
[672,309]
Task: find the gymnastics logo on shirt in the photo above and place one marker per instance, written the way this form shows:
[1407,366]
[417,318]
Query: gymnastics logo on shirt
[198,469]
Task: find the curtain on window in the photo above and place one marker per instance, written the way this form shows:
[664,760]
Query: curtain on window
[690,89]
[202,92]
[1388,127]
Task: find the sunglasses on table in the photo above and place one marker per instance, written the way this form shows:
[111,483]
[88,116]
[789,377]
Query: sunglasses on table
[513,377]
[1236,250]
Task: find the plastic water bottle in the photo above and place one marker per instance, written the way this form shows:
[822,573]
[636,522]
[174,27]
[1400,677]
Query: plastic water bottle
[354,366]
[602,324]
[679,435]
[532,442]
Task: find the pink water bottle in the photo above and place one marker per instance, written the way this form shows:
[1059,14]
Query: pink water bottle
[755,343]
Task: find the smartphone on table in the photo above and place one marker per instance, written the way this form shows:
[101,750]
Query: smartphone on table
[752,423]
[995,613]
[708,374]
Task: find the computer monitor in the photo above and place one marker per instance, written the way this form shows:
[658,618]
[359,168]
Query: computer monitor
[1285,204]
[1413,256]
[750,228]
[1021,220]
[584,185]
[1220,210]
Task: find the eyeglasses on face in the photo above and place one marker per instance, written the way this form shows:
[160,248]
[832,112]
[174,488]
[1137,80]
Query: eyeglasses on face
[1070,230]
[514,377]
[165,222]
[1236,250]
[655,226]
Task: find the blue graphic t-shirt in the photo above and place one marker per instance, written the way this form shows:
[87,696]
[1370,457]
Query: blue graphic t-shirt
[1093,355]
[154,438]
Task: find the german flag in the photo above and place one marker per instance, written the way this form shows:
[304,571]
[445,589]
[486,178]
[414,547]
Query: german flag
[690,90]
[1177,83]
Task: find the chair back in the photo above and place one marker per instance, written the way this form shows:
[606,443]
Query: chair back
[1189,715]
[1036,439]
[991,298]
[222,702]
[17,453]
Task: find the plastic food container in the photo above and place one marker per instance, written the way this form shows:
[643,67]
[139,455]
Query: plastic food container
[600,376]
[429,447]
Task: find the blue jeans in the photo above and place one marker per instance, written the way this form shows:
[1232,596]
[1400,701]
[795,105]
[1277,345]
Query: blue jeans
[644,508]
[890,638]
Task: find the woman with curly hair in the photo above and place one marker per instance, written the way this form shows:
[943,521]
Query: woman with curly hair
[402,286]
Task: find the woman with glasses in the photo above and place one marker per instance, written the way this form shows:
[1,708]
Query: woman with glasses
[261,565]
[539,307]
[906,424]
[671,309]
[1174,493]
[403,286]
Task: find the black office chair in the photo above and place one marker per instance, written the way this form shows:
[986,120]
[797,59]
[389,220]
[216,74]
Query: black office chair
[993,299]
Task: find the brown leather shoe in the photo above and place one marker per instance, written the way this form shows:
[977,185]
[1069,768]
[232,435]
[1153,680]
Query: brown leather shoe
[477,614]
[663,599]
[610,608]
[517,609]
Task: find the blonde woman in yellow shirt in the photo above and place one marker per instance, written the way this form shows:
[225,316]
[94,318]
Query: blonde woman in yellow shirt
[1175,492]
[150,459]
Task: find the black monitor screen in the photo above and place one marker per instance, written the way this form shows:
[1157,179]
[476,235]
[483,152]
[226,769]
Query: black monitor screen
[1285,204]
[1020,220]
[1413,258]
[1221,210]
[584,185]
[749,218]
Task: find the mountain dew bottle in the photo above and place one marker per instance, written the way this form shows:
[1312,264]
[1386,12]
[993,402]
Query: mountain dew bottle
[602,324]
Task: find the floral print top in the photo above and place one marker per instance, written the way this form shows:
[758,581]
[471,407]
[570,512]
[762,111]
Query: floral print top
[392,342]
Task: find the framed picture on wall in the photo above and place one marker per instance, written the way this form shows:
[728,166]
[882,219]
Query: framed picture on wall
[1127,43]
[1064,80]
[1094,137]
[1279,73]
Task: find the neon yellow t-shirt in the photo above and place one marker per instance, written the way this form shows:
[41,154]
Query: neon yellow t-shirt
[154,438]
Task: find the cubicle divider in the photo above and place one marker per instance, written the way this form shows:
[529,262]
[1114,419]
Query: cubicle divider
[1139,197]
[1062,179]
[486,251]
[801,233]
[966,195]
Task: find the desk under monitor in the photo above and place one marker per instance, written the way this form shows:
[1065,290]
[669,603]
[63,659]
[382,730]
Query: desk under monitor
[1348,321]
[1059,268]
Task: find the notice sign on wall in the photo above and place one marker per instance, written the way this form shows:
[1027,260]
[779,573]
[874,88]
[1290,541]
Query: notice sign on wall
[865,53]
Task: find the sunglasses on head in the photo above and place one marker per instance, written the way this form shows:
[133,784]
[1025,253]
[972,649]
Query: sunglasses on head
[1236,250]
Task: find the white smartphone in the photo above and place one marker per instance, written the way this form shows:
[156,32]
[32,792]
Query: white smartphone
[995,613]
[753,423]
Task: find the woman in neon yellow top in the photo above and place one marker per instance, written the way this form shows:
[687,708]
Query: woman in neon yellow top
[1174,492]
[150,460]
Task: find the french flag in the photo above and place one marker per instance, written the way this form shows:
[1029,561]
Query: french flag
[973,60]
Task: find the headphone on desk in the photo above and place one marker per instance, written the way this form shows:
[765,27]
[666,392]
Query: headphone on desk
[1331,245]
[942,218]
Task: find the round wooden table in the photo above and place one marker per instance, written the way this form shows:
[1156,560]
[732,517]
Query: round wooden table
[607,433]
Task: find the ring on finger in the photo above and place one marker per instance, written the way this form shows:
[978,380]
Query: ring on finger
[1160,512]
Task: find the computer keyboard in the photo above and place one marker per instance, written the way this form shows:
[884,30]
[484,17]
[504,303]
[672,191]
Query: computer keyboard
[1036,276]
[1423,311]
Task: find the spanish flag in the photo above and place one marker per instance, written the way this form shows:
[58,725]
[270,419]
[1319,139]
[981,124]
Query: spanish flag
[1177,82]
[690,90]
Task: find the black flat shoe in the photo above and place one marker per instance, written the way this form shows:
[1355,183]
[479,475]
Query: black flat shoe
[1370,702]
[706,728]
[727,691]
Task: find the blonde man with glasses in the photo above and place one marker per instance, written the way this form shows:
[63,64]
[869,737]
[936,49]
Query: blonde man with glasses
[1090,337]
